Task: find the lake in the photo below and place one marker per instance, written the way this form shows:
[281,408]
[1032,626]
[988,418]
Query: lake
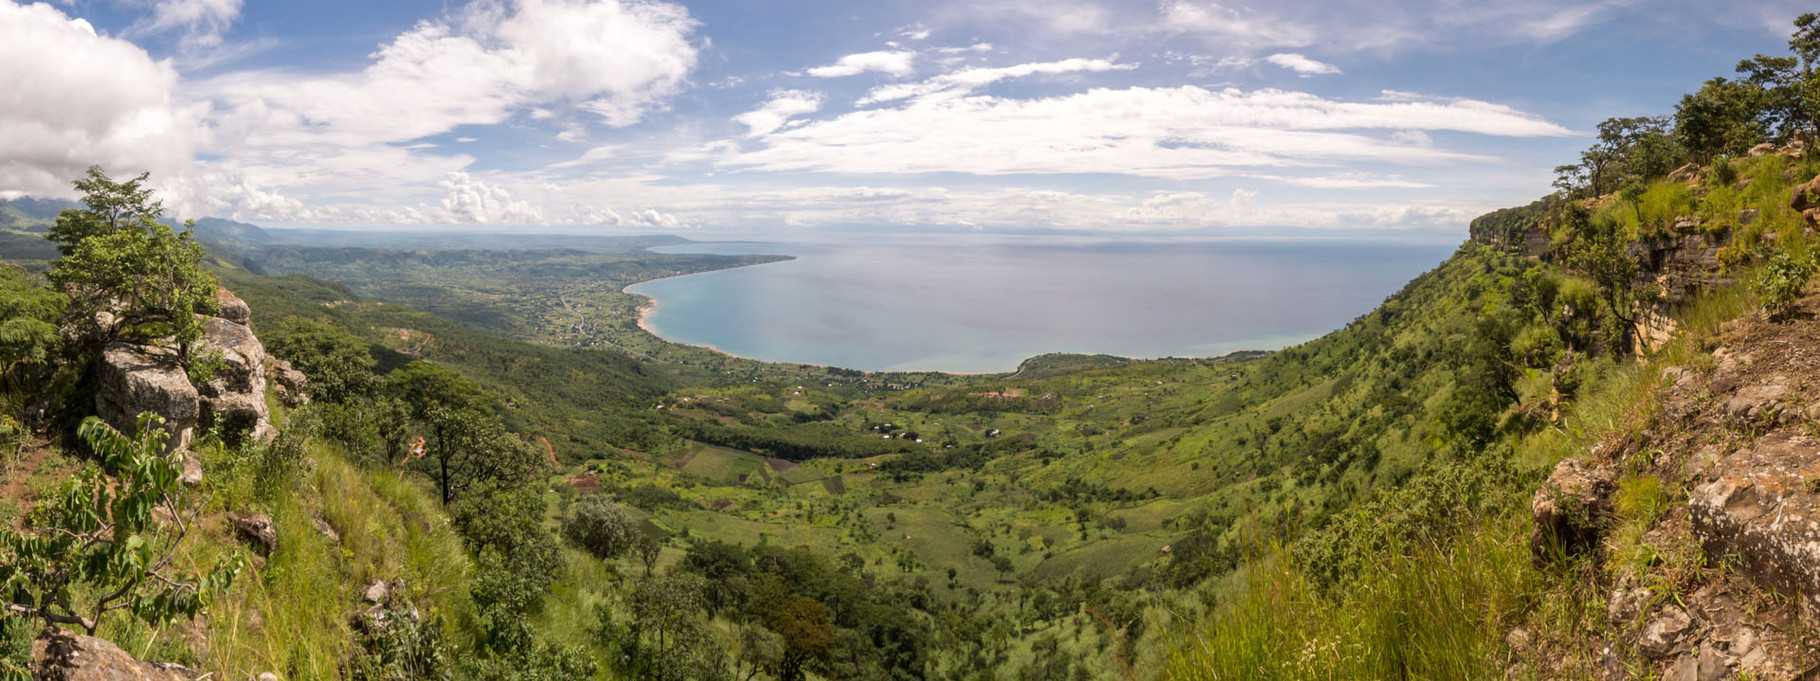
[984,303]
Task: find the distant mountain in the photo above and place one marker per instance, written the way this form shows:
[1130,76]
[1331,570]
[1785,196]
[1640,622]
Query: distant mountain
[228,231]
[30,214]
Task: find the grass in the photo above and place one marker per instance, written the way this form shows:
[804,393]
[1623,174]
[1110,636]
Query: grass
[1433,613]
[1442,610]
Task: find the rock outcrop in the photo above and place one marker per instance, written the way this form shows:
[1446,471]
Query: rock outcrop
[234,399]
[1764,508]
[62,656]
[256,529]
[136,378]
[290,384]
[1570,510]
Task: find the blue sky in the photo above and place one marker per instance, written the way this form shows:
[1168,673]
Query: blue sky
[1139,117]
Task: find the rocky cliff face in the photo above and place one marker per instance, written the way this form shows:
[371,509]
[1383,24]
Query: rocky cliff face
[1734,581]
[136,378]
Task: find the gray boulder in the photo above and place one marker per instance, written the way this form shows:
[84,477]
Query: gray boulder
[256,529]
[138,378]
[232,308]
[62,656]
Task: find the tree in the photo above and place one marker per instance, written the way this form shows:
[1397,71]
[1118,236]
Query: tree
[140,284]
[601,527]
[665,639]
[1723,118]
[807,632]
[338,365]
[1791,84]
[110,207]
[28,327]
[516,560]
[467,442]
[94,549]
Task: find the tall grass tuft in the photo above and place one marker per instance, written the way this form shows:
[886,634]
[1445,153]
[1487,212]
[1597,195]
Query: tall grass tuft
[1427,612]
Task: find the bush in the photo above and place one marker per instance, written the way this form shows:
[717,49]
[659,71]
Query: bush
[1781,282]
[600,527]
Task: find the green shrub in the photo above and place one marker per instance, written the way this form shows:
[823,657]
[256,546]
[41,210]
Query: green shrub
[601,527]
[1781,282]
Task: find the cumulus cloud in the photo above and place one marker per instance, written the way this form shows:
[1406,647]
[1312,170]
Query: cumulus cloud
[898,63]
[474,202]
[619,58]
[967,80]
[1175,133]
[71,97]
[1303,66]
[561,63]
[784,105]
[615,59]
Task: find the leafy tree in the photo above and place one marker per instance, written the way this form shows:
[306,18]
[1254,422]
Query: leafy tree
[109,207]
[467,442]
[338,365]
[665,638]
[1723,118]
[150,282]
[802,622]
[93,548]
[1638,148]
[28,327]
[601,527]
[516,560]
[1791,84]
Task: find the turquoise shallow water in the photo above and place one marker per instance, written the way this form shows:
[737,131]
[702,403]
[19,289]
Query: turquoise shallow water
[984,303]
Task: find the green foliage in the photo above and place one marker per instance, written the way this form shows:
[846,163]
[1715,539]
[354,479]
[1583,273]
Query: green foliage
[29,340]
[109,208]
[16,648]
[1723,118]
[151,281]
[202,368]
[1662,204]
[664,637]
[598,525]
[338,365]
[398,646]
[1781,282]
[94,549]
[1427,611]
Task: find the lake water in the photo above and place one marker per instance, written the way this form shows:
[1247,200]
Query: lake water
[985,303]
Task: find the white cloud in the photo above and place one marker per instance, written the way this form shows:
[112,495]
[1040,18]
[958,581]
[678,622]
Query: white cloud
[1303,66]
[967,80]
[71,97]
[1176,133]
[474,202]
[784,105]
[618,58]
[202,21]
[898,63]
[976,47]
[329,136]
[1244,29]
